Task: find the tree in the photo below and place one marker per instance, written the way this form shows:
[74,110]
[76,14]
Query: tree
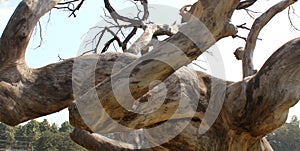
[286,137]
[6,136]
[26,138]
[44,126]
[54,128]
[26,135]
[252,107]
[65,127]
[29,132]
[56,141]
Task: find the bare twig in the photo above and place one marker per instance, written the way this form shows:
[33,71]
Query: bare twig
[237,36]
[131,34]
[60,58]
[196,64]
[242,26]
[116,16]
[245,4]
[151,31]
[135,23]
[41,35]
[67,3]
[289,16]
[70,6]
[251,13]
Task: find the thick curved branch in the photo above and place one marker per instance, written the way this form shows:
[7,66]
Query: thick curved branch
[183,82]
[269,93]
[258,24]
[30,93]
[92,141]
[39,92]
[49,89]
[95,142]
[17,33]
[161,62]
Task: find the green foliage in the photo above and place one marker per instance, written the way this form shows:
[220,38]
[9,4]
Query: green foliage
[65,127]
[287,137]
[38,136]
[54,128]
[56,142]
[6,135]
[44,126]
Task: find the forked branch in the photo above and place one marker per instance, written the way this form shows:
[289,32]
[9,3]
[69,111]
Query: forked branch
[258,24]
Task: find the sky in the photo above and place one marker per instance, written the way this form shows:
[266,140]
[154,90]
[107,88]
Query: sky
[62,35]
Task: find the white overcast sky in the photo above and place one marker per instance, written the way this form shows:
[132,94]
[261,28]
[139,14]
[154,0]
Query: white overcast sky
[63,36]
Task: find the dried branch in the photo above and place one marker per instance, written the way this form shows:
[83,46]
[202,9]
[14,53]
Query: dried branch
[258,24]
[196,64]
[242,26]
[251,13]
[93,141]
[245,4]
[140,23]
[144,40]
[237,36]
[289,16]
[146,11]
[40,34]
[107,44]
[151,31]
[70,6]
[116,16]
[17,33]
[67,2]
[60,58]
[130,35]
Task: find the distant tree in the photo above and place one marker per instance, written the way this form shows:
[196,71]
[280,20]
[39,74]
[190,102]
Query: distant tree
[287,137]
[29,132]
[65,127]
[6,136]
[46,142]
[64,142]
[61,141]
[54,128]
[44,126]
[38,136]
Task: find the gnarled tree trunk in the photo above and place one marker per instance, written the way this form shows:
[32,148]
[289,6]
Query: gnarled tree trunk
[251,108]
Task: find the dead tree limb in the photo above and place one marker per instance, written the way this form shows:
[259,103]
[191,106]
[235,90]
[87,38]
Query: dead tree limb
[258,24]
